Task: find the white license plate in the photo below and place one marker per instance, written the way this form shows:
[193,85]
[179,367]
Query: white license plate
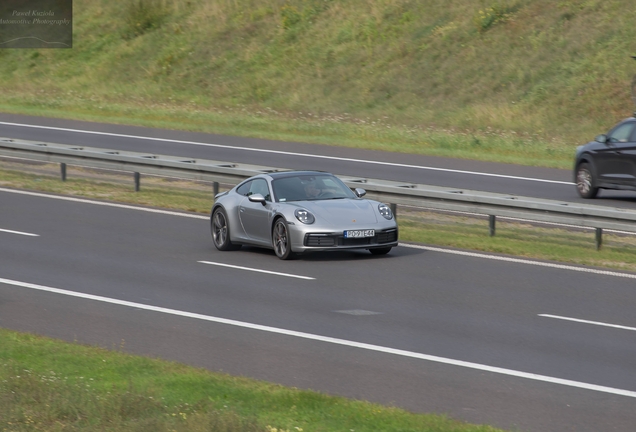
[359,233]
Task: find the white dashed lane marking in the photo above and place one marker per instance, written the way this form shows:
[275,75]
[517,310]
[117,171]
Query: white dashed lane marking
[257,270]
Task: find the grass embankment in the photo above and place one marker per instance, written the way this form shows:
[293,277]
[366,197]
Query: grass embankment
[46,385]
[502,80]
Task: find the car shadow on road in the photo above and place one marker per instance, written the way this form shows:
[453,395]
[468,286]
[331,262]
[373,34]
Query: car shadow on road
[343,255]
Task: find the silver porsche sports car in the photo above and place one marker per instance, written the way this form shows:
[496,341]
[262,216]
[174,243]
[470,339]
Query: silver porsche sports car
[300,211]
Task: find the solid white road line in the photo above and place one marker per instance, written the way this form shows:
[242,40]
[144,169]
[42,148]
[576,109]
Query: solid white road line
[331,340]
[257,270]
[522,261]
[433,249]
[19,233]
[287,153]
[588,322]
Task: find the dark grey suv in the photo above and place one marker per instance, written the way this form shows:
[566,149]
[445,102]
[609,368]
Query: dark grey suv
[608,162]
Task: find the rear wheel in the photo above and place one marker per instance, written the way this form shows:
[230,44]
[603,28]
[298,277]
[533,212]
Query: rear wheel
[585,181]
[221,231]
[380,251]
[281,241]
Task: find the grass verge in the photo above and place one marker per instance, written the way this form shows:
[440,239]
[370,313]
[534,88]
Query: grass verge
[53,386]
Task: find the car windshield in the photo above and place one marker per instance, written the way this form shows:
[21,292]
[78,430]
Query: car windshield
[310,188]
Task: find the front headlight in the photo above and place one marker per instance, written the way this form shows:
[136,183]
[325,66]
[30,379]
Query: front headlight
[385,211]
[304,216]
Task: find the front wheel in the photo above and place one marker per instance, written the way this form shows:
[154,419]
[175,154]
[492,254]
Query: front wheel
[380,251]
[281,240]
[585,181]
[221,231]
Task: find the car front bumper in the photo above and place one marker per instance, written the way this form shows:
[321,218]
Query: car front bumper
[306,241]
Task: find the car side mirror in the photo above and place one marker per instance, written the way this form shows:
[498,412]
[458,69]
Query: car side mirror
[601,138]
[360,192]
[257,198]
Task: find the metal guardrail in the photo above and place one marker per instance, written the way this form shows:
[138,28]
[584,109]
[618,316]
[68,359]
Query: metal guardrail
[395,193]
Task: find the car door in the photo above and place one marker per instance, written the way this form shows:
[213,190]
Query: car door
[629,152]
[616,160]
[254,216]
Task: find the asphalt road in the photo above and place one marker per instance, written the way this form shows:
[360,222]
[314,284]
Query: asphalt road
[464,174]
[483,339]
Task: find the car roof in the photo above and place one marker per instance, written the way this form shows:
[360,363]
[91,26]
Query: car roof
[284,174]
[625,120]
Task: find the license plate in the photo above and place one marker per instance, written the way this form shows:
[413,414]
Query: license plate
[359,233]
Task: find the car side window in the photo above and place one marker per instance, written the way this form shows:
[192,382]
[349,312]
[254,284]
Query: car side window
[259,186]
[622,133]
[244,189]
[633,137]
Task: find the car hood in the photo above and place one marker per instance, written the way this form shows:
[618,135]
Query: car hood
[342,211]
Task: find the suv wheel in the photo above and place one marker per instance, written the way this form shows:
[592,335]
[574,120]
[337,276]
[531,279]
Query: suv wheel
[585,181]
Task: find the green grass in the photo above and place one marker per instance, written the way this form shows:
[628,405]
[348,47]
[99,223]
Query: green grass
[502,80]
[48,385]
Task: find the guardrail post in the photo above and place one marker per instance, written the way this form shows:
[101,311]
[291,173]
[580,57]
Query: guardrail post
[137,181]
[394,210]
[491,225]
[215,188]
[63,171]
[599,238]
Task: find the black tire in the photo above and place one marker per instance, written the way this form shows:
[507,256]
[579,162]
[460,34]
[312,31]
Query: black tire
[280,240]
[585,181]
[380,251]
[221,231]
